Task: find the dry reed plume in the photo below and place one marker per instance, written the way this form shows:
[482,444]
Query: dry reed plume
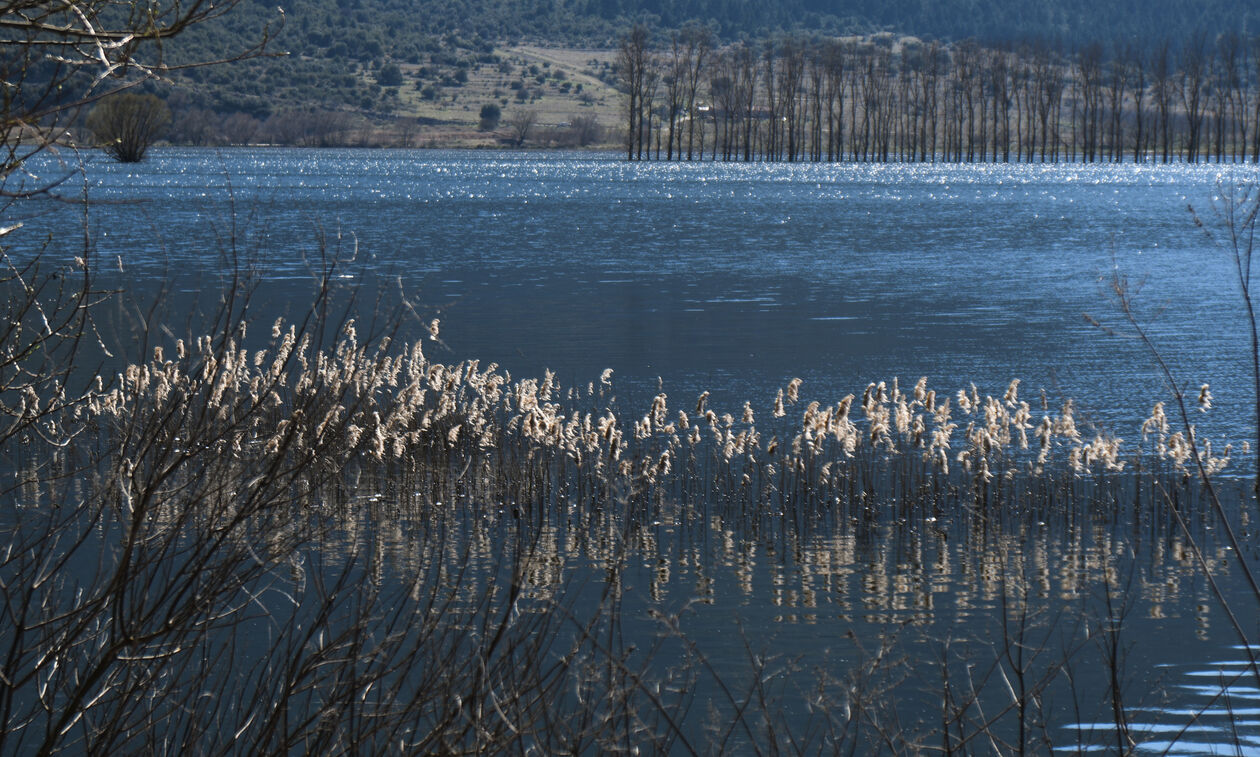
[390,405]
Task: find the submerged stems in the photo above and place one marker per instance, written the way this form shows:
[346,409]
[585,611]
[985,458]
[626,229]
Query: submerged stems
[1237,212]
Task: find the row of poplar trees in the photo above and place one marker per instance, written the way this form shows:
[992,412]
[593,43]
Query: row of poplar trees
[803,98]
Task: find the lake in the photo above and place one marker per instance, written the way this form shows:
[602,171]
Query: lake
[732,278]
[737,278]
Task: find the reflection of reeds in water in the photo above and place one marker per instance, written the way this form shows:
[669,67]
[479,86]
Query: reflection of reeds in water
[940,558]
[354,548]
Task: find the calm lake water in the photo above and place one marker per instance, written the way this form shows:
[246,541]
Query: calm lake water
[730,278]
[736,278]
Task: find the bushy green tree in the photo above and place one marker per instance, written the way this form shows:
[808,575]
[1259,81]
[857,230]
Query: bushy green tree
[389,75]
[490,115]
[127,124]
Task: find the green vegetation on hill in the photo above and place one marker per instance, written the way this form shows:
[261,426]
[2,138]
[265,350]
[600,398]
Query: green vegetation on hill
[1069,21]
[423,69]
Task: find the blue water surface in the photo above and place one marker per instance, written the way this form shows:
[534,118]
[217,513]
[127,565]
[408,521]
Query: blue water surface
[732,278]
[736,278]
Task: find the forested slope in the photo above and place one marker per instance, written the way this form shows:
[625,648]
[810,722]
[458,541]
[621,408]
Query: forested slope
[335,49]
[1068,21]
[365,29]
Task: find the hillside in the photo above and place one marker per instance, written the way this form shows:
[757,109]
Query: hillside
[420,71]
[1067,21]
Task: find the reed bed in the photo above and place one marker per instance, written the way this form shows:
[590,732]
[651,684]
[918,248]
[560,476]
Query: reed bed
[199,550]
[449,428]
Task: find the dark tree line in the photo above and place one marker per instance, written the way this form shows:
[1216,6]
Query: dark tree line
[805,98]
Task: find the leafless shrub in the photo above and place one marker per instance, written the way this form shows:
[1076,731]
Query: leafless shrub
[309,128]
